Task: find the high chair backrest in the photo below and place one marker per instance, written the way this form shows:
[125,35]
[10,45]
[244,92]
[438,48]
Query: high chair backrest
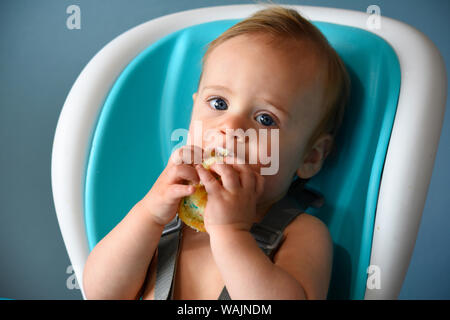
[152,97]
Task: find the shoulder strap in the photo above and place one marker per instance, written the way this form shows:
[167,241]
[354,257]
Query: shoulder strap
[268,233]
[167,259]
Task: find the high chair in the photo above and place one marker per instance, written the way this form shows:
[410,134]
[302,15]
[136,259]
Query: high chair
[113,136]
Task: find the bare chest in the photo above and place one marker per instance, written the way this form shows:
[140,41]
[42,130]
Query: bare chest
[197,276]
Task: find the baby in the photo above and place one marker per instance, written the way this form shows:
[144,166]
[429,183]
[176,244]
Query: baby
[274,71]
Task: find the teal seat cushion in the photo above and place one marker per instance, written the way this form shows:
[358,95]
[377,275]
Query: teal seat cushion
[152,97]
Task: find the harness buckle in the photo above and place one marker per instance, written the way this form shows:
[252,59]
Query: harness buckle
[172,226]
[268,238]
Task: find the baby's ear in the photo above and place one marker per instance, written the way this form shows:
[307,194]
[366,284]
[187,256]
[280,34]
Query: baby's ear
[194,96]
[313,161]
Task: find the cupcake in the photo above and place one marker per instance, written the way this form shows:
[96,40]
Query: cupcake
[192,207]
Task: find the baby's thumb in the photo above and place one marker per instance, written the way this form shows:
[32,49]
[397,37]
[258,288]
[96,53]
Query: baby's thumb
[177,191]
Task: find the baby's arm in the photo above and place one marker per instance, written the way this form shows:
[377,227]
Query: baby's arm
[302,267]
[117,266]
[303,263]
[246,270]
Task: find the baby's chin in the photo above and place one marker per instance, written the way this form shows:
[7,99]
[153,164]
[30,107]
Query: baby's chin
[275,187]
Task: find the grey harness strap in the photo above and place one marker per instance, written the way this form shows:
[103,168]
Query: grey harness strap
[167,258]
[268,234]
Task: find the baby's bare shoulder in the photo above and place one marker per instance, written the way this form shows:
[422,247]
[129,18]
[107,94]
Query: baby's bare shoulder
[307,226]
[307,233]
[307,254]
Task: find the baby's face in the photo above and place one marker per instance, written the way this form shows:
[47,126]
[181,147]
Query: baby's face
[249,84]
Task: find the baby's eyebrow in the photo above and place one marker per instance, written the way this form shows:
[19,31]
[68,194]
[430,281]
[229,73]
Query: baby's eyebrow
[217,87]
[278,108]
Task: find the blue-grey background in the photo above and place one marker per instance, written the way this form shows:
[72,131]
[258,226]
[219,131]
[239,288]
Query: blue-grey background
[39,61]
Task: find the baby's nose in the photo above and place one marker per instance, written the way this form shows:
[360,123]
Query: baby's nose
[233,124]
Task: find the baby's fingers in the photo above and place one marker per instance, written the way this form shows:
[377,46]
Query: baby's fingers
[177,191]
[246,174]
[212,185]
[183,172]
[230,178]
[259,186]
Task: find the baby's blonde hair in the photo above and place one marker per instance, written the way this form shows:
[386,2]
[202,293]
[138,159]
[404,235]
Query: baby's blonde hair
[284,24]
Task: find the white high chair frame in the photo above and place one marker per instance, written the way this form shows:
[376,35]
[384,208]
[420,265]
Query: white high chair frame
[404,183]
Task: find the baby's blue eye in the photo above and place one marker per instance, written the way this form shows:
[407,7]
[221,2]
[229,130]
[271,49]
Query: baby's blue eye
[218,104]
[265,119]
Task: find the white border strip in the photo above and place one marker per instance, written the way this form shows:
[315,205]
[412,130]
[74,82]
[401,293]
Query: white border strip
[404,183]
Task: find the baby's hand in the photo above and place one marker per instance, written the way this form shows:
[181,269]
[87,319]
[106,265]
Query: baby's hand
[231,203]
[163,198]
